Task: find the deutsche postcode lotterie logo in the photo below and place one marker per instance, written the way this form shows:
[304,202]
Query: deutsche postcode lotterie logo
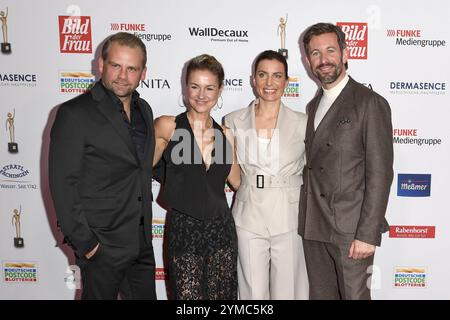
[410,277]
[20,272]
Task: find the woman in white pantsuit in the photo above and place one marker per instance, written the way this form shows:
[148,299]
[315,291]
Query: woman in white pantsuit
[270,150]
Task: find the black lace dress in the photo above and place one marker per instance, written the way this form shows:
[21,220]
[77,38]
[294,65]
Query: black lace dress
[201,233]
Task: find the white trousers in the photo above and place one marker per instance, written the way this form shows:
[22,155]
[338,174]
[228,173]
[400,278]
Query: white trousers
[271,267]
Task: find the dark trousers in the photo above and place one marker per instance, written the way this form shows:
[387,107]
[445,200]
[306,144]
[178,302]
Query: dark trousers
[111,272]
[334,276]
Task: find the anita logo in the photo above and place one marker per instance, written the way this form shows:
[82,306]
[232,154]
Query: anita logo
[155,83]
[356,38]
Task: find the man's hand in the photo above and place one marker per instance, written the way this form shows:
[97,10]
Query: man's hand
[360,250]
[92,252]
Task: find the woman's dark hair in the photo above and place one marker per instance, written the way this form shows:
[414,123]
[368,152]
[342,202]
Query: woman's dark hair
[272,55]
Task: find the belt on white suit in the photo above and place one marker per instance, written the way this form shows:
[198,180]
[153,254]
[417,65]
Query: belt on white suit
[262,181]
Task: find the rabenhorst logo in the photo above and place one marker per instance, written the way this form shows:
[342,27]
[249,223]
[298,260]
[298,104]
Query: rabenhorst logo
[140,30]
[356,37]
[75,34]
[158,225]
[410,277]
[161,274]
[220,35]
[18,80]
[155,83]
[75,82]
[413,38]
[411,137]
[417,88]
[20,272]
[293,88]
[230,84]
[414,185]
[422,232]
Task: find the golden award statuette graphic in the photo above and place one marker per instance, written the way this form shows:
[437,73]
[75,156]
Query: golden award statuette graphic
[12,146]
[282,32]
[18,240]
[6,46]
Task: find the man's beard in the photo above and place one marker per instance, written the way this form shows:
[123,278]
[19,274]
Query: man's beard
[329,78]
[119,91]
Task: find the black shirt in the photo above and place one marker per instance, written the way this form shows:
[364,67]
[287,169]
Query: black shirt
[136,125]
[189,188]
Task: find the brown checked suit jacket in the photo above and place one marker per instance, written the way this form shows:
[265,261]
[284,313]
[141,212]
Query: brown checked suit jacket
[348,174]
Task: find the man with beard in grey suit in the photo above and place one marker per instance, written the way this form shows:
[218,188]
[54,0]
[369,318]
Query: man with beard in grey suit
[348,174]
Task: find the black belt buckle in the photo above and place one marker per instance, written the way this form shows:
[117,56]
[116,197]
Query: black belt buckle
[260,181]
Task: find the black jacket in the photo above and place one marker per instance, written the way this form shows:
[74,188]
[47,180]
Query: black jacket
[99,186]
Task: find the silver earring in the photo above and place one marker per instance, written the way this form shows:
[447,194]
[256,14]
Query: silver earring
[181,101]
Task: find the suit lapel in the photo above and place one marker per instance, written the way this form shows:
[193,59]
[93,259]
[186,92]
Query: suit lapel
[285,126]
[247,122]
[150,141]
[106,108]
[281,139]
[281,136]
[327,127]
[310,132]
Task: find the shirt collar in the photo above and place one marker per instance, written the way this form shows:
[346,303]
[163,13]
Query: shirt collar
[336,90]
[116,100]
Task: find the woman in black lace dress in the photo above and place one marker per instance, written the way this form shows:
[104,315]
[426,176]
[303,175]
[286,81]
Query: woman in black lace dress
[198,156]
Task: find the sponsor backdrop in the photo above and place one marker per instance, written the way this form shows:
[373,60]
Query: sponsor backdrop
[398,48]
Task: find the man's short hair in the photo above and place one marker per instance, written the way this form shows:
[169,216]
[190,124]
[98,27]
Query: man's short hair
[321,28]
[124,39]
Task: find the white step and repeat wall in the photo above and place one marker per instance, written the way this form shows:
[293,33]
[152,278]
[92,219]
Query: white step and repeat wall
[399,49]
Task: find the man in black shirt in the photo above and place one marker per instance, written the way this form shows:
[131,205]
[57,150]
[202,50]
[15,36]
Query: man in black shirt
[100,168]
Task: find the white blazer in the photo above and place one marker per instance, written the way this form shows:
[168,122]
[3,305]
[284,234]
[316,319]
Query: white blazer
[267,200]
